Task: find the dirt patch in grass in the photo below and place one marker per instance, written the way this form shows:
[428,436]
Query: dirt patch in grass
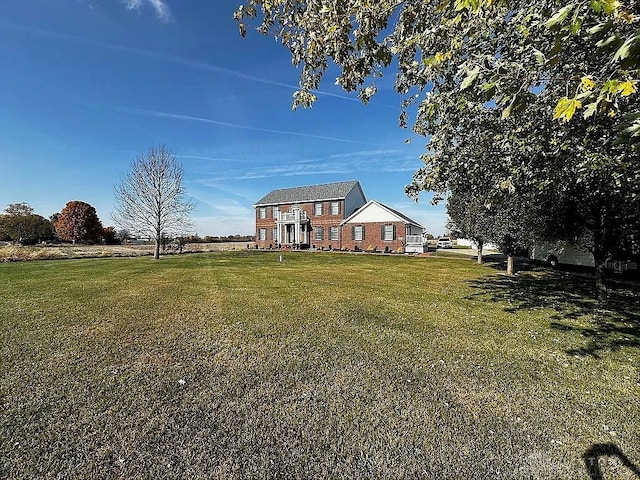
[235,365]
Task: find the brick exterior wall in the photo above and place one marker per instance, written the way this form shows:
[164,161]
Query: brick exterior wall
[268,224]
[373,237]
[326,221]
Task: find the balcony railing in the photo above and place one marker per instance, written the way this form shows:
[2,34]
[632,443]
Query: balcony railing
[297,216]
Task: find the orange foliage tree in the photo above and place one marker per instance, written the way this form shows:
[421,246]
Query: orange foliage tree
[78,221]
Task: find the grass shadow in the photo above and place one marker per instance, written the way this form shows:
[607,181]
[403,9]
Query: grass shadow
[592,460]
[614,322]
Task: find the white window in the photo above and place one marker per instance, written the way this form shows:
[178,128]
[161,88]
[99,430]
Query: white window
[334,234]
[263,212]
[317,209]
[274,234]
[319,233]
[358,233]
[335,208]
[262,234]
[389,232]
[274,211]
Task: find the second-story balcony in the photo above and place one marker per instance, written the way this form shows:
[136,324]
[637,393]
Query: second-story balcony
[295,216]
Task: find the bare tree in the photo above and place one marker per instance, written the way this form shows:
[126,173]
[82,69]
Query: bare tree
[150,199]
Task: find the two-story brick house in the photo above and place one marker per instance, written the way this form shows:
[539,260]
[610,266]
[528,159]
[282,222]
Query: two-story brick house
[307,216]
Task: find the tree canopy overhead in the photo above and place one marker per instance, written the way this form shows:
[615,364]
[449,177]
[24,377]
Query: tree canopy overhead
[586,52]
[562,76]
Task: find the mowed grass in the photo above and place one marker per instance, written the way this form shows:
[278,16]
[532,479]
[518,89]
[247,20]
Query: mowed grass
[234,365]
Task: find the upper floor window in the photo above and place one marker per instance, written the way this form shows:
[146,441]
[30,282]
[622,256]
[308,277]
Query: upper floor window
[317,209]
[388,232]
[263,212]
[335,208]
[274,211]
[358,233]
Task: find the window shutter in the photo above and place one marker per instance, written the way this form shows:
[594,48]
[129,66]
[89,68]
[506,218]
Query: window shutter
[382,232]
[363,234]
[353,232]
[394,231]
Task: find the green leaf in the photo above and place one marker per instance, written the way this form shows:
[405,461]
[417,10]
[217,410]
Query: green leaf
[591,108]
[610,87]
[626,49]
[610,40]
[600,27]
[540,58]
[610,6]
[470,78]
[507,111]
[576,25]
[560,16]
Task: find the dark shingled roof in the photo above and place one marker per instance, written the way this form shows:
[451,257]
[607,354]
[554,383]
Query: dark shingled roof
[327,191]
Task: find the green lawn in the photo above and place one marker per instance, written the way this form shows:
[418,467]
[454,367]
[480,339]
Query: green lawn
[328,365]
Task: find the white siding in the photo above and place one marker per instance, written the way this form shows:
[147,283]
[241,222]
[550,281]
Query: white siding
[374,213]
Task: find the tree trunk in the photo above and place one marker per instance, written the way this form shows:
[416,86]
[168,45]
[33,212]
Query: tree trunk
[600,260]
[480,245]
[510,265]
[599,253]
[156,251]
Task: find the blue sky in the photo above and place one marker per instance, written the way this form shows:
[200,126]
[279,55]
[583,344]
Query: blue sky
[88,85]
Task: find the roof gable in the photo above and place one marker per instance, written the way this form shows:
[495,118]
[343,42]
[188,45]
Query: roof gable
[310,193]
[374,211]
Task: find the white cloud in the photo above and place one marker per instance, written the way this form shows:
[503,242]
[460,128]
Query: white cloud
[161,8]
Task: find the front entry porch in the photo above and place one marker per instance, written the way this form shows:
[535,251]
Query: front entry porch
[293,228]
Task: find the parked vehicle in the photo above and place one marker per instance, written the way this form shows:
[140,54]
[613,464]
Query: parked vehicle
[560,253]
[444,242]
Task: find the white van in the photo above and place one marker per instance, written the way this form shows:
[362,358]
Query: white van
[565,253]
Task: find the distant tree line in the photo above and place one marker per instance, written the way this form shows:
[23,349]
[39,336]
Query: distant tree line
[20,224]
[219,239]
[77,222]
